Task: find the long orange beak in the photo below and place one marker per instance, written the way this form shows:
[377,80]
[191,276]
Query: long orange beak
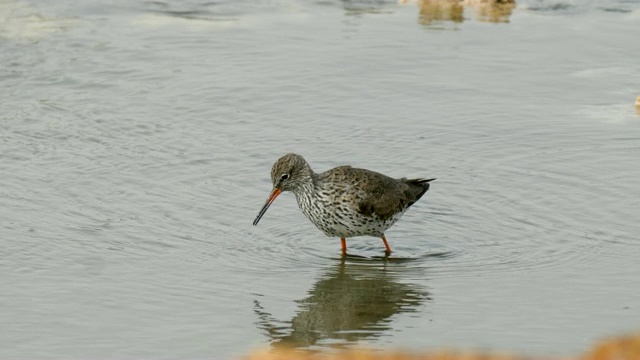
[274,194]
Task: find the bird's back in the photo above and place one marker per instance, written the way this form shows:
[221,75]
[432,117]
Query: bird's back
[349,201]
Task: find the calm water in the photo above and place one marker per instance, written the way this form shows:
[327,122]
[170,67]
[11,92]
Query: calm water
[137,140]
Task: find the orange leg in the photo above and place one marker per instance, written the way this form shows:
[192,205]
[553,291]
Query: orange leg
[386,244]
[344,246]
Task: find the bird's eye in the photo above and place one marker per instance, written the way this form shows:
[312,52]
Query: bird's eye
[284,176]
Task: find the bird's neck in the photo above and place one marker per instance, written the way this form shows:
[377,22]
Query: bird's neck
[307,189]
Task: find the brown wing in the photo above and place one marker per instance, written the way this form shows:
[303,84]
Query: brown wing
[386,196]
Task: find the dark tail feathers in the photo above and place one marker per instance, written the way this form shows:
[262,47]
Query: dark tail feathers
[418,187]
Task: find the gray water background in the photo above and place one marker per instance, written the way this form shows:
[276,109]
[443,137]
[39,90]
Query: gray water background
[137,140]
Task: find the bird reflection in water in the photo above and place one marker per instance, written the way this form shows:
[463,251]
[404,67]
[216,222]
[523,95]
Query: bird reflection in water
[352,302]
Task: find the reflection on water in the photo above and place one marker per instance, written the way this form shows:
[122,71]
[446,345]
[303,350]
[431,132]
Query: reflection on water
[352,301]
[440,10]
[638,105]
[493,10]
[359,7]
[21,21]
[435,11]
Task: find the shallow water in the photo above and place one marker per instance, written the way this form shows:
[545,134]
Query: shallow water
[137,141]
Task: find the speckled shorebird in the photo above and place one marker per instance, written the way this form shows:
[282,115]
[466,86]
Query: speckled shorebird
[345,201]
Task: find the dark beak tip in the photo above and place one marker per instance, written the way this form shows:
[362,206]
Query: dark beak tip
[272,197]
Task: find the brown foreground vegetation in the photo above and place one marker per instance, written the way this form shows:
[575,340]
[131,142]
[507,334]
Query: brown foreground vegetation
[621,348]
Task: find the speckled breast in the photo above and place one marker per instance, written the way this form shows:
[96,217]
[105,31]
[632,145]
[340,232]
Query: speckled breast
[339,218]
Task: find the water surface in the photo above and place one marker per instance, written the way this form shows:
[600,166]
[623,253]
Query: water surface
[137,140]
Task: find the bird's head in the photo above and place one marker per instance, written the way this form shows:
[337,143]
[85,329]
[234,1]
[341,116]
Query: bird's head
[289,173]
